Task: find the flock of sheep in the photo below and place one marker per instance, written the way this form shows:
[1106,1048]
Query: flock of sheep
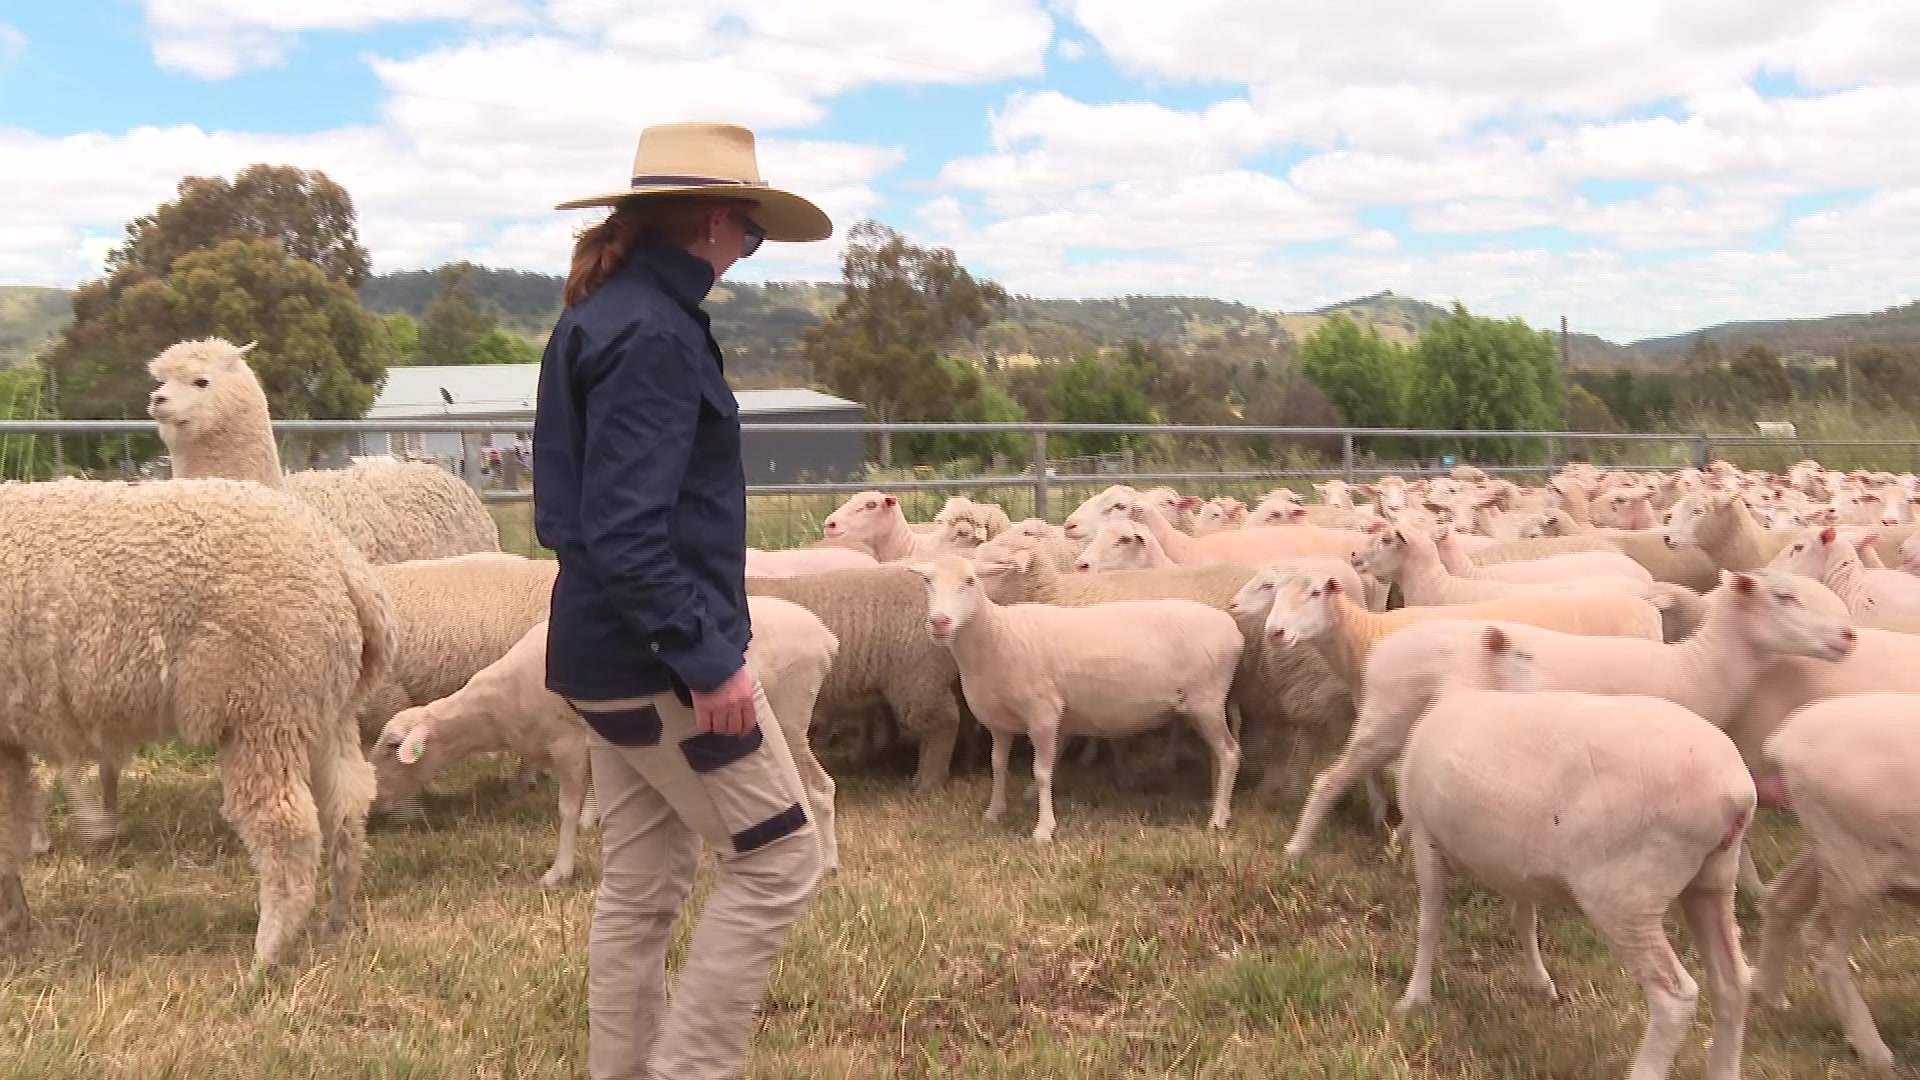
[1575,693]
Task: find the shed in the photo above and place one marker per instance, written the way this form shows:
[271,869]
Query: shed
[507,392]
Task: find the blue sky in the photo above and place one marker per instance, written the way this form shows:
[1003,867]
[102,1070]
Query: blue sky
[1644,169]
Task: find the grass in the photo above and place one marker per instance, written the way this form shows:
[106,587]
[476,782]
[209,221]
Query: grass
[1137,946]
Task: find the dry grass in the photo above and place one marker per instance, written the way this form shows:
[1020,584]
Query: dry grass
[1136,947]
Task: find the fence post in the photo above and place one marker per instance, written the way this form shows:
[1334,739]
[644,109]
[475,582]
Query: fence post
[1703,451]
[1346,456]
[473,460]
[1040,475]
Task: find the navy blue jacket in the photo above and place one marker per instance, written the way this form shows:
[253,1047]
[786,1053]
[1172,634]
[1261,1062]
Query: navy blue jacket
[639,489]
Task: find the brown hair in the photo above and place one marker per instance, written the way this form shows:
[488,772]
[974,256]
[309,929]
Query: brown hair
[600,249]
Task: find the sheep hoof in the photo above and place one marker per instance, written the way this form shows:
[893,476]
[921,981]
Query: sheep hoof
[554,877]
[1409,1003]
[1043,837]
[1548,993]
[13,908]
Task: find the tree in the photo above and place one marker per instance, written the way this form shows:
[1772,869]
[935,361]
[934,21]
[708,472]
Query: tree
[456,321]
[307,214]
[320,355]
[1365,376]
[1758,377]
[1092,390]
[497,346]
[1586,412]
[1481,374]
[902,308]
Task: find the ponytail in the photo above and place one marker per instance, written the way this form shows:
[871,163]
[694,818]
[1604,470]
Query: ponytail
[600,249]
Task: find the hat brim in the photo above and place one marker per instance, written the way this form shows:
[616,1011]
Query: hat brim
[788,218]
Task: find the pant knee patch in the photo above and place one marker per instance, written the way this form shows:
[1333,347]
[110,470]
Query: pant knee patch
[626,727]
[711,750]
[783,824]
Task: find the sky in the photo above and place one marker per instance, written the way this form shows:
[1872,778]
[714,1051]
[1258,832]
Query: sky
[1643,167]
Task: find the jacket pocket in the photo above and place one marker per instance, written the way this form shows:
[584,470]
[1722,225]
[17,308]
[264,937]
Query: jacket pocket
[743,780]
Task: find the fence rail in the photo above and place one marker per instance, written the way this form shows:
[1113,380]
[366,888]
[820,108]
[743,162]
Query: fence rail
[1261,456]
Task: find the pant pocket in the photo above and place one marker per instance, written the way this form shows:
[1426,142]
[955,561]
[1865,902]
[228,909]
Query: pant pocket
[742,779]
[627,728]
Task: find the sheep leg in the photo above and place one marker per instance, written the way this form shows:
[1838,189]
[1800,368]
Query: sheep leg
[523,780]
[1750,880]
[1002,757]
[1836,920]
[569,759]
[342,783]
[1782,913]
[590,802]
[1089,752]
[1526,917]
[38,843]
[1716,936]
[90,817]
[16,826]
[1430,875]
[268,802]
[1044,733]
[820,788]
[1213,726]
[938,731]
[1639,942]
[1373,743]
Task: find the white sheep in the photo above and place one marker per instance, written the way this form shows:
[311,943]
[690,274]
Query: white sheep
[220,612]
[1118,668]
[1523,790]
[507,706]
[1850,766]
[876,519]
[213,418]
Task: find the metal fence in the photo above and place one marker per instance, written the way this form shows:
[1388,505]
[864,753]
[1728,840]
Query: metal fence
[1025,476]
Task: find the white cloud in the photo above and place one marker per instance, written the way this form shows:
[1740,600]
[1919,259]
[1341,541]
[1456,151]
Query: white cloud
[13,44]
[215,39]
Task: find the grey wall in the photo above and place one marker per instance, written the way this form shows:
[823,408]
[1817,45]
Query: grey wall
[781,457]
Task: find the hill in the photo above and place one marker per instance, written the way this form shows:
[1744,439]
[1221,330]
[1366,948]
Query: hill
[30,318]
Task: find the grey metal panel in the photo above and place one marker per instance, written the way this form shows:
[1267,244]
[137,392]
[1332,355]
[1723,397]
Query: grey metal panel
[792,457]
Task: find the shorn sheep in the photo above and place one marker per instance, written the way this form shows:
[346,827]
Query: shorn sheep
[1118,668]
[1851,769]
[219,612]
[1521,789]
[213,418]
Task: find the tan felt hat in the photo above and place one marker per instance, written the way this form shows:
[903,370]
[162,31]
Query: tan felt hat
[701,158]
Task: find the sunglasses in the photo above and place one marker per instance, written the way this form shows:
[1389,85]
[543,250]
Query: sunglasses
[755,235]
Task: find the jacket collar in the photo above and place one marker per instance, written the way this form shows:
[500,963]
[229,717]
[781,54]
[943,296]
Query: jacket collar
[685,277]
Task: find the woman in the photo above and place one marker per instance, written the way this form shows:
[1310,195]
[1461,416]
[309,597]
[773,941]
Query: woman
[640,492]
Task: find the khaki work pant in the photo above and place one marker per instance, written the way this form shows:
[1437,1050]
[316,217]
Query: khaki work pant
[664,788]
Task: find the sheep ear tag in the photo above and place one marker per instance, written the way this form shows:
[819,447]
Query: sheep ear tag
[412,748]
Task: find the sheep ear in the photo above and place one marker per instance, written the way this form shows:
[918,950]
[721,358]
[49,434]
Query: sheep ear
[923,569]
[413,746]
[1827,534]
[889,501]
[1744,583]
[1496,640]
[1333,586]
[247,348]
[1188,502]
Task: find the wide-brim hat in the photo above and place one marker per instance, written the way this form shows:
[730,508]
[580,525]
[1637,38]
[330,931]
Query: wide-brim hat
[701,158]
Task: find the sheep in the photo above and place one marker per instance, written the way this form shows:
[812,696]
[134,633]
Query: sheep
[1278,692]
[1519,788]
[1302,609]
[885,658]
[1720,524]
[1117,668]
[1407,557]
[1127,545]
[876,519]
[217,611]
[1750,620]
[1648,547]
[506,705]
[213,418]
[805,560]
[1851,767]
[1220,513]
[1571,565]
[1832,561]
[1036,535]
[1242,545]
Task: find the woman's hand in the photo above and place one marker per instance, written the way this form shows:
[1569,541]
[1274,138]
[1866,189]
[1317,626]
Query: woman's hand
[727,709]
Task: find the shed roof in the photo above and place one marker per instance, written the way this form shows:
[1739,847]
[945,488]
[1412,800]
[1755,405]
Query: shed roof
[413,393]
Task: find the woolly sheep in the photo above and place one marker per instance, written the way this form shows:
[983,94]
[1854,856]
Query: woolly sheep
[1255,545]
[1521,789]
[1407,557]
[213,418]
[885,658]
[1118,668]
[1850,766]
[1648,547]
[789,562]
[1829,559]
[1036,535]
[216,611]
